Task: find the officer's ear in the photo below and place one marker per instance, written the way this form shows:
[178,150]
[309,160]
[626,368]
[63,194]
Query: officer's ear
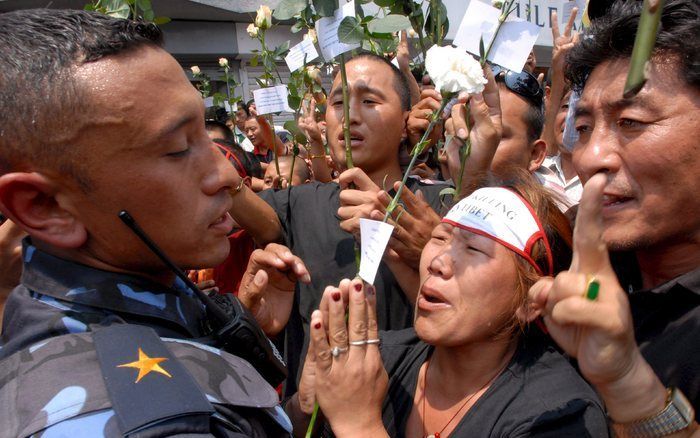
[31,200]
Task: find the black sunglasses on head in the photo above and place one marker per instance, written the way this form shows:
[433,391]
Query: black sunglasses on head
[522,83]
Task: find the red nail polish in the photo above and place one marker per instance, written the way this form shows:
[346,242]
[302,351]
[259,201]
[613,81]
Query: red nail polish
[358,287]
[336,296]
[317,325]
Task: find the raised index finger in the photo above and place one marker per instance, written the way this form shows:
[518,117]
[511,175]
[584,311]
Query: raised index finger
[590,251]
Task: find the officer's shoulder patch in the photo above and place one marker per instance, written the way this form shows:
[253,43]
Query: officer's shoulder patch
[146,383]
[223,376]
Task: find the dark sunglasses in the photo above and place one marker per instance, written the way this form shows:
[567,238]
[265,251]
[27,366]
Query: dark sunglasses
[522,83]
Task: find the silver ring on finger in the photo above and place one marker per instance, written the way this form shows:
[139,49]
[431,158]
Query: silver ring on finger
[358,343]
[335,351]
[372,342]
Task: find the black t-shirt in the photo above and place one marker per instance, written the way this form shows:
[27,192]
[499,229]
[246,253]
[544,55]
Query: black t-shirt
[667,328]
[309,217]
[538,394]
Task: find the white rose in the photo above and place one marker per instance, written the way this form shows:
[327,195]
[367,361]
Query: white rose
[223,62]
[454,70]
[412,33]
[195,70]
[311,36]
[264,18]
[252,30]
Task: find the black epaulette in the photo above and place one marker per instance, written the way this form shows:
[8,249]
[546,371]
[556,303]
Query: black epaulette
[145,383]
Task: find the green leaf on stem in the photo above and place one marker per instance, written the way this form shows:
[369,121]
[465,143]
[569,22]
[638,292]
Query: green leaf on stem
[143,4]
[385,3]
[282,49]
[149,15]
[297,27]
[435,9]
[482,51]
[350,31]
[294,101]
[161,20]
[293,128]
[288,9]
[449,191]
[390,23]
[325,8]
[116,8]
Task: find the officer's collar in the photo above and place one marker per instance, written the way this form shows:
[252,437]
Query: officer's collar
[74,282]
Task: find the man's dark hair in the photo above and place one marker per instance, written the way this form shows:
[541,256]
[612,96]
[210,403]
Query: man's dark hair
[534,120]
[400,83]
[39,97]
[211,125]
[244,107]
[612,37]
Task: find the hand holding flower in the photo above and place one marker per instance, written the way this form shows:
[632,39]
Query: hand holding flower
[481,129]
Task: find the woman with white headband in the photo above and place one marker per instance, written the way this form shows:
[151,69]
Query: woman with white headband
[473,365]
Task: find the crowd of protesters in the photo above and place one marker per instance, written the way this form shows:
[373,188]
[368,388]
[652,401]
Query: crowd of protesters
[554,292]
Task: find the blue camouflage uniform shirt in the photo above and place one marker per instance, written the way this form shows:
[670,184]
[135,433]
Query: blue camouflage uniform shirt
[51,375]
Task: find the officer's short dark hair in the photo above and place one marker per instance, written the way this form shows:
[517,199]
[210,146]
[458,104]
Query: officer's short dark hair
[38,93]
[612,37]
[400,83]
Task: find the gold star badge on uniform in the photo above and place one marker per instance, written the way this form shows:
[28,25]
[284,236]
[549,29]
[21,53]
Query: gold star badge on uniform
[145,365]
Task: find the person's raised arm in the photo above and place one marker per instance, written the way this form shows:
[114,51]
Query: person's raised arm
[588,314]
[255,215]
[561,45]
[402,56]
[270,139]
[317,152]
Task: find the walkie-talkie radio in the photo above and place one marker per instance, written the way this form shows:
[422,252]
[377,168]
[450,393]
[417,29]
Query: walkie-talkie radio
[233,328]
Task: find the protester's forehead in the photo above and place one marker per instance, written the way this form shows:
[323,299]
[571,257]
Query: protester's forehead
[605,85]
[365,74]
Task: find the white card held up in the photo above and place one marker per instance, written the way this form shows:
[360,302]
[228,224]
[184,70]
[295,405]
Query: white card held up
[327,32]
[374,236]
[271,100]
[515,39]
[567,9]
[295,57]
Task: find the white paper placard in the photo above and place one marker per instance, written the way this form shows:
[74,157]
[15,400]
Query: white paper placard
[271,100]
[515,40]
[295,57]
[327,32]
[566,9]
[374,236]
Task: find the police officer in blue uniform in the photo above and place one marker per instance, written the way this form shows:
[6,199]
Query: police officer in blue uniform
[101,338]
